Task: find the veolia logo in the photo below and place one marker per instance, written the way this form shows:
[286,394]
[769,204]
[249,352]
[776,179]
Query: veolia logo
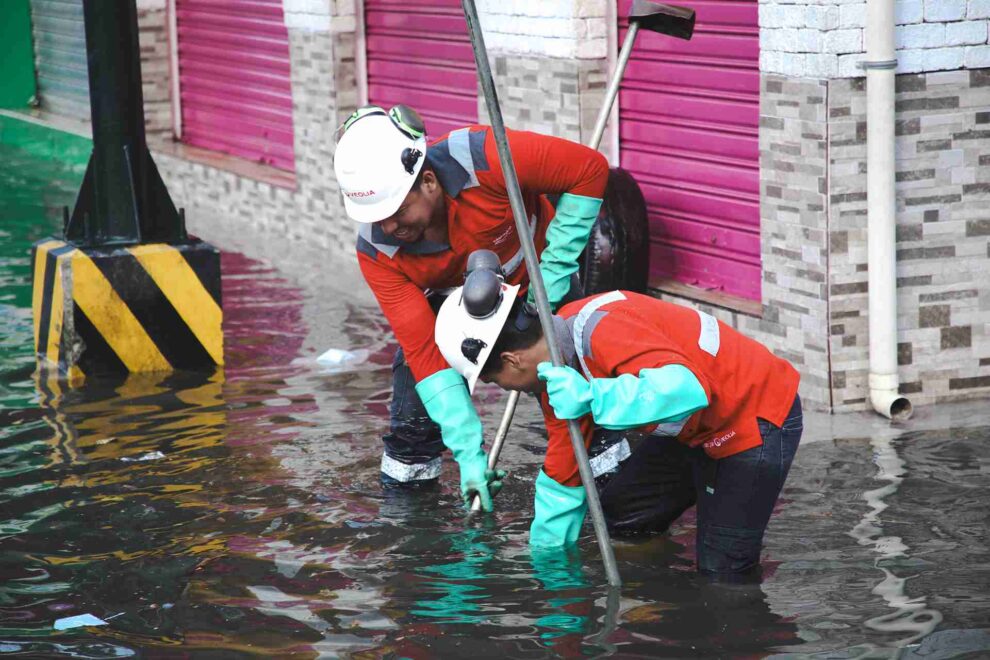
[721,440]
[361,193]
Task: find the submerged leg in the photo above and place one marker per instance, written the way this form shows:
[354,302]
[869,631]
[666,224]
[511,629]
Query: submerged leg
[413,444]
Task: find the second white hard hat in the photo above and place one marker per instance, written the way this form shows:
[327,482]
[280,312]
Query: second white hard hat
[466,341]
[376,164]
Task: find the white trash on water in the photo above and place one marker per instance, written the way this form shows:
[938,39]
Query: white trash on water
[338,358]
[78,621]
[150,456]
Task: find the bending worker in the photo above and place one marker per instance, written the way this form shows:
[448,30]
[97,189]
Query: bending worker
[723,412]
[422,211]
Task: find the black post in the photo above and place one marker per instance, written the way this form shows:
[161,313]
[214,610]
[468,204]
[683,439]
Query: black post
[123,199]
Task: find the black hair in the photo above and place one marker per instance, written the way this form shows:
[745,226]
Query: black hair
[521,330]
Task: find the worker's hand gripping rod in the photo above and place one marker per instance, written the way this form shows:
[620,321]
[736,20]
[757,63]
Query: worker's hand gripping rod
[536,278]
[665,19]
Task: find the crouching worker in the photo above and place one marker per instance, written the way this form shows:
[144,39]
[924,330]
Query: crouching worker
[722,411]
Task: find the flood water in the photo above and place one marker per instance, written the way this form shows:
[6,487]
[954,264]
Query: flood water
[238,513]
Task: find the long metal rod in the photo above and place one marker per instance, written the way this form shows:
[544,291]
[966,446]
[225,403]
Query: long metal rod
[594,143]
[536,278]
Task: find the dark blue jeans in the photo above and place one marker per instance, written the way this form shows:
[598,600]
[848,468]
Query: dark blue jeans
[413,438]
[735,495]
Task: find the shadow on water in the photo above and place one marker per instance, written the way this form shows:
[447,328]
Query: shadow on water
[238,513]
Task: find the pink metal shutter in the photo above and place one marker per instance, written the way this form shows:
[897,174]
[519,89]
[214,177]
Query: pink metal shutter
[234,79]
[689,123]
[419,54]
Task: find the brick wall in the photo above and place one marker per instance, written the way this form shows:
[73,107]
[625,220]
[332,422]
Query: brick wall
[825,38]
[551,28]
[553,96]
[153,40]
[549,63]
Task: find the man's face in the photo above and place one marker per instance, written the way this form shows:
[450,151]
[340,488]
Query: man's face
[422,206]
[518,369]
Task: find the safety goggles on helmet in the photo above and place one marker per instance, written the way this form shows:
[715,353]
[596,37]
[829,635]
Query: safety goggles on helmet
[404,118]
[379,155]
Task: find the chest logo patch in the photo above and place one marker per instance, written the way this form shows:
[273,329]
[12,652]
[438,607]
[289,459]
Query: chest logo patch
[504,236]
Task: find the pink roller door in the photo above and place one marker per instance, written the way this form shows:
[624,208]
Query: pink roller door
[689,122]
[419,54]
[234,79]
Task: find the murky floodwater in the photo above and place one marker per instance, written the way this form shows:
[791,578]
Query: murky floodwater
[238,513]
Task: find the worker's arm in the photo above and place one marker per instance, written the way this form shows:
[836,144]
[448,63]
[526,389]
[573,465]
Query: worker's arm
[442,390]
[550,165]
[650,380]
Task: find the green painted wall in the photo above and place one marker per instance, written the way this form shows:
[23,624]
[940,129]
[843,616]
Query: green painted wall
[17,86]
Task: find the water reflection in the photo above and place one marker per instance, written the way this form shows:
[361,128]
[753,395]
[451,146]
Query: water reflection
[910,615]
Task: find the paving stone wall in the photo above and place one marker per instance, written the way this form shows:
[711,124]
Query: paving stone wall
[548,95]
[943,237]
[153,40]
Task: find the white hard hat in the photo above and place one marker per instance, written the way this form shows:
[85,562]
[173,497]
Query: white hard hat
[376,164]
[466,340]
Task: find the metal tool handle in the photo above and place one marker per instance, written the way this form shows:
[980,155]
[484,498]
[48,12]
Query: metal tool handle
[536,278]
[503,430]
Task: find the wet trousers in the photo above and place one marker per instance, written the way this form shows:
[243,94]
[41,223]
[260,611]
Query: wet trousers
[734,495]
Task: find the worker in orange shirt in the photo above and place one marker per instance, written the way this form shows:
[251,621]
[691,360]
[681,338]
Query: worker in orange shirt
[422,210]
[723,412]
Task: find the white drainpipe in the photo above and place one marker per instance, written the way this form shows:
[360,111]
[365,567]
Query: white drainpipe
[880,64]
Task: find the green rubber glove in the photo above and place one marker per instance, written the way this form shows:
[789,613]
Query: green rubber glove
[558,513]
[567,237]
[447,401]
[568,391]
[668,393]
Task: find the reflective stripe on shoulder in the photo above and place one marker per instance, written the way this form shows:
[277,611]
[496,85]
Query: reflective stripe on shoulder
[709,338]
[582,320]
[458,159]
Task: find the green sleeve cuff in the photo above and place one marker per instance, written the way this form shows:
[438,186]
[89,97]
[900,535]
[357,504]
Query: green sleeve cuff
[558,513]
[433,385]
[579,206]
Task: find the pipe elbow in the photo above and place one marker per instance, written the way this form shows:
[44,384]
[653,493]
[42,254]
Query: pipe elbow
[891,405]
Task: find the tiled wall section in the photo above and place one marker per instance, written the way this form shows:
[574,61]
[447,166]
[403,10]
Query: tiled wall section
[827,38]
[559,97]
[943,236]
[154,46]
[794,240]
[323,94]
